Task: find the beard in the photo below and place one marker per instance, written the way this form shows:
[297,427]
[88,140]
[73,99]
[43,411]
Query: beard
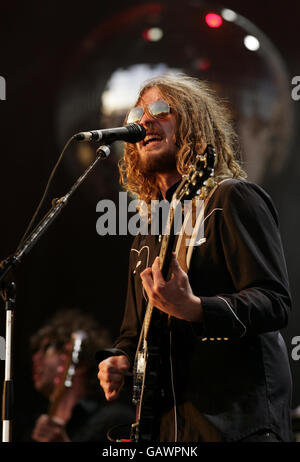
[164,163]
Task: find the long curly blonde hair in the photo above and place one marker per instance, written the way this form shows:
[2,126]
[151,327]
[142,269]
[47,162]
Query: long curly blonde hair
[202,118]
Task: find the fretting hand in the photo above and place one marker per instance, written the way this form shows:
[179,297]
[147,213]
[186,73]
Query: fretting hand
[174,297]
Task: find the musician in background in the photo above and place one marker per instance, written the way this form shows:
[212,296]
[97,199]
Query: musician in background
[225,374]
[77,412]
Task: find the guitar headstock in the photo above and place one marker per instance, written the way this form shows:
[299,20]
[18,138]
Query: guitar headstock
[77,339]
[67,369]
[199,178]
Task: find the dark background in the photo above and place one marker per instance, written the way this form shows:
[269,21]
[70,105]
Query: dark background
[71,265]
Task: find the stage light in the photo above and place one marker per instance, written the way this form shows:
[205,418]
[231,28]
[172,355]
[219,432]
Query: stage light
[228,15]
[203,64]
[213,20]
[154,34]
[252,43]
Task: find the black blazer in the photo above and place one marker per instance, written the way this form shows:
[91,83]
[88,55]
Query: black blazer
[230,373]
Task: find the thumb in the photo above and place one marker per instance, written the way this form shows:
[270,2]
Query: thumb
[43,418]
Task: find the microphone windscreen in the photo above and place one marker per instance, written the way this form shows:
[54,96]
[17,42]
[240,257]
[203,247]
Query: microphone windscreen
[136,133]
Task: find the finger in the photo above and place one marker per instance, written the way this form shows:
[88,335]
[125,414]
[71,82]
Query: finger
[110,365]
[112,391]
[119,365]
[111,386]
[43,419]
[156,264]
[110,396]
[147,281]
[112,371]
[158,278]
[175,263]
[57,421]
[146,272]
[175,266]
[112,378]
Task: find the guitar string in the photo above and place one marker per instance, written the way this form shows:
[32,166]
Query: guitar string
[145,328]
[173,391]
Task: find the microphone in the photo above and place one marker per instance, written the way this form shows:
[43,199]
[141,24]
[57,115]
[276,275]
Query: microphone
[132,133]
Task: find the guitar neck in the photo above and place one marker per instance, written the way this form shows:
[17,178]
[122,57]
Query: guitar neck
[188,187]
[147,320]
[66,378]
[59,390]
[165,255]
[53,408]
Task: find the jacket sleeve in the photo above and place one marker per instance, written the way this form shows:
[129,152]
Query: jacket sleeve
[131,325]
[255,260]
[126,343]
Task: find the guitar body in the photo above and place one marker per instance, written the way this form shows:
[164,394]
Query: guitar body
[148,385]
[148,426]
[148,391]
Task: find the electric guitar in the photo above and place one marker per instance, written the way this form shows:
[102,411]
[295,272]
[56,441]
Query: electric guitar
[68,368]
[147,369]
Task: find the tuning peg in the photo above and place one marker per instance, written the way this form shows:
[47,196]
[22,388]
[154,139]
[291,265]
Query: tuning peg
[210,182]
[200,157]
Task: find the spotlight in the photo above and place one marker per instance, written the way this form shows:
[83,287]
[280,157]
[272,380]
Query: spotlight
[251,42]
[229,15]
[154,34]
[213,20]
[203,64]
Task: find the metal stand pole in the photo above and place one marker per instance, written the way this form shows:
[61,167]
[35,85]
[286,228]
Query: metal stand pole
[8,288]
[9,295]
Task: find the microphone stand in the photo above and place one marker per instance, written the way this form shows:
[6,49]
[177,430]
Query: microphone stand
[8,289]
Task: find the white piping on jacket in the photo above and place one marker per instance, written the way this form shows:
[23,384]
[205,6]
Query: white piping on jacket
[231,309]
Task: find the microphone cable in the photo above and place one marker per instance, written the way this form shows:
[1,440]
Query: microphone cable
[45,192]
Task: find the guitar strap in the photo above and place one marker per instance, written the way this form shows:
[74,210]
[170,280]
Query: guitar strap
[195,423]
[196,215]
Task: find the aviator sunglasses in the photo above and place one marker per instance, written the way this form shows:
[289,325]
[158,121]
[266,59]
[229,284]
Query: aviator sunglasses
[157,109]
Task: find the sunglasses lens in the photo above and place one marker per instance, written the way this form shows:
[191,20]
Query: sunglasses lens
[156,109]
[159,108]
[135,114]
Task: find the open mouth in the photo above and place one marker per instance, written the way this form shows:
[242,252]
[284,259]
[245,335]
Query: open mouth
[151,139]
